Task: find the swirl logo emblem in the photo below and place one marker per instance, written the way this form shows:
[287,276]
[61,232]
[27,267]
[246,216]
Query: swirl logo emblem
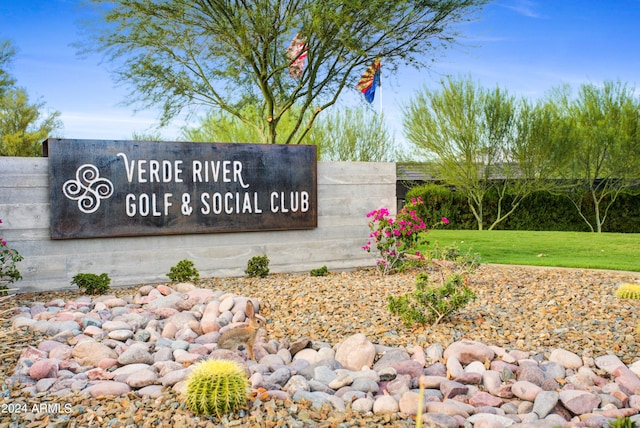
[88,188]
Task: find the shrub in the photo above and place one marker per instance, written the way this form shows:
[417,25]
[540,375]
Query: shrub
[8,259]
[216,387]
[258,266]
[323,271]
[462,262]
[394,238]
[183,271]
[429,303]
[91,283]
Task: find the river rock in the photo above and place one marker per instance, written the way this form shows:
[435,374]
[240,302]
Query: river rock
[467,351]
[356,352]
[90,353]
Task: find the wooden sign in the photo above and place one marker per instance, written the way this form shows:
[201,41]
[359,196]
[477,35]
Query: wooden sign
[131,188]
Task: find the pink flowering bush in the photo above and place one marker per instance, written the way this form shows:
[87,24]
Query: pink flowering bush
[8,259]
[393,238]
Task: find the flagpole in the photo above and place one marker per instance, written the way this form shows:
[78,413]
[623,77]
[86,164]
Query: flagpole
[380,93]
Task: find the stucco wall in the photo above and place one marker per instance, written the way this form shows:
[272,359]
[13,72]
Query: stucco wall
[346,192]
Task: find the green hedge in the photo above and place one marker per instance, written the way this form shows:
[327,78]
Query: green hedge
[539,211]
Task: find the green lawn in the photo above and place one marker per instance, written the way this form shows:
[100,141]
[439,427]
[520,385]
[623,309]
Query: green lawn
[617,251]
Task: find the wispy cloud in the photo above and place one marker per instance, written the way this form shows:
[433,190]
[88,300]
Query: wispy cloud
[526,8]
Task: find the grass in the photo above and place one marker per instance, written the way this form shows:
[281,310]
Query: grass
[615,251]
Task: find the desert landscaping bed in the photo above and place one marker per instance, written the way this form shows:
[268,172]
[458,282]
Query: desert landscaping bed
[523,310]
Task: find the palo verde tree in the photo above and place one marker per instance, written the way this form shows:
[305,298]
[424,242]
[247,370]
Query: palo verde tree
[480,140]
[344,134]
[226,55]
[352,135]
[602,146]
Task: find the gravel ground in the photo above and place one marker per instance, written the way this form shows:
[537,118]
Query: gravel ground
[527,308]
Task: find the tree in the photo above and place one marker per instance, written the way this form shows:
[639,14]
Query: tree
[603,146]
[7,51]
[480,140]
[352,135]
[227,55]
[346,134]
[23,126]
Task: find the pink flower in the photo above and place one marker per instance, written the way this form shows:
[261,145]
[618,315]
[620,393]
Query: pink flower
[3,242]
[445,220]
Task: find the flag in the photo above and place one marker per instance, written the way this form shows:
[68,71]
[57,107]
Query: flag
[370,80]
[297,53]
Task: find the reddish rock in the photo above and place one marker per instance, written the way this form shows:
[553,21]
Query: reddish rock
[43,368]
[32,353]
[93,331]
[164,290]
[627,380]
[482,398]
[579,402]
[99,374]
[209,320]
[450,388]
[164,312]
[469,378]
[467,351]
[107,363]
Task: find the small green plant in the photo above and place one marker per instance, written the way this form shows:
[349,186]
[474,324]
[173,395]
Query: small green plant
[463,262]
[184,271]
[258,266]
[430,303]
[628,291]
[323,271]
[624,422]
[216,387]
[91,283]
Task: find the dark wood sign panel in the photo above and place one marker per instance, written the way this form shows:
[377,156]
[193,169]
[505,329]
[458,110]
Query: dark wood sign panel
[130,188]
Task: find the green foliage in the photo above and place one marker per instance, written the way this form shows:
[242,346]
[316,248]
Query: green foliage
[539,211]
[352,135]
[229,55]
[347,134]
[216,387]
[477,141]
[440,201]
[91,283]
[602,148]
[460,262]
[9,257]
[184,271]
[23,125]
[628,291]
[323,271]
[623,422]
[430,303]
[257,266]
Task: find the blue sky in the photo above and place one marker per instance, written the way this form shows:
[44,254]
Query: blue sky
[524,46]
